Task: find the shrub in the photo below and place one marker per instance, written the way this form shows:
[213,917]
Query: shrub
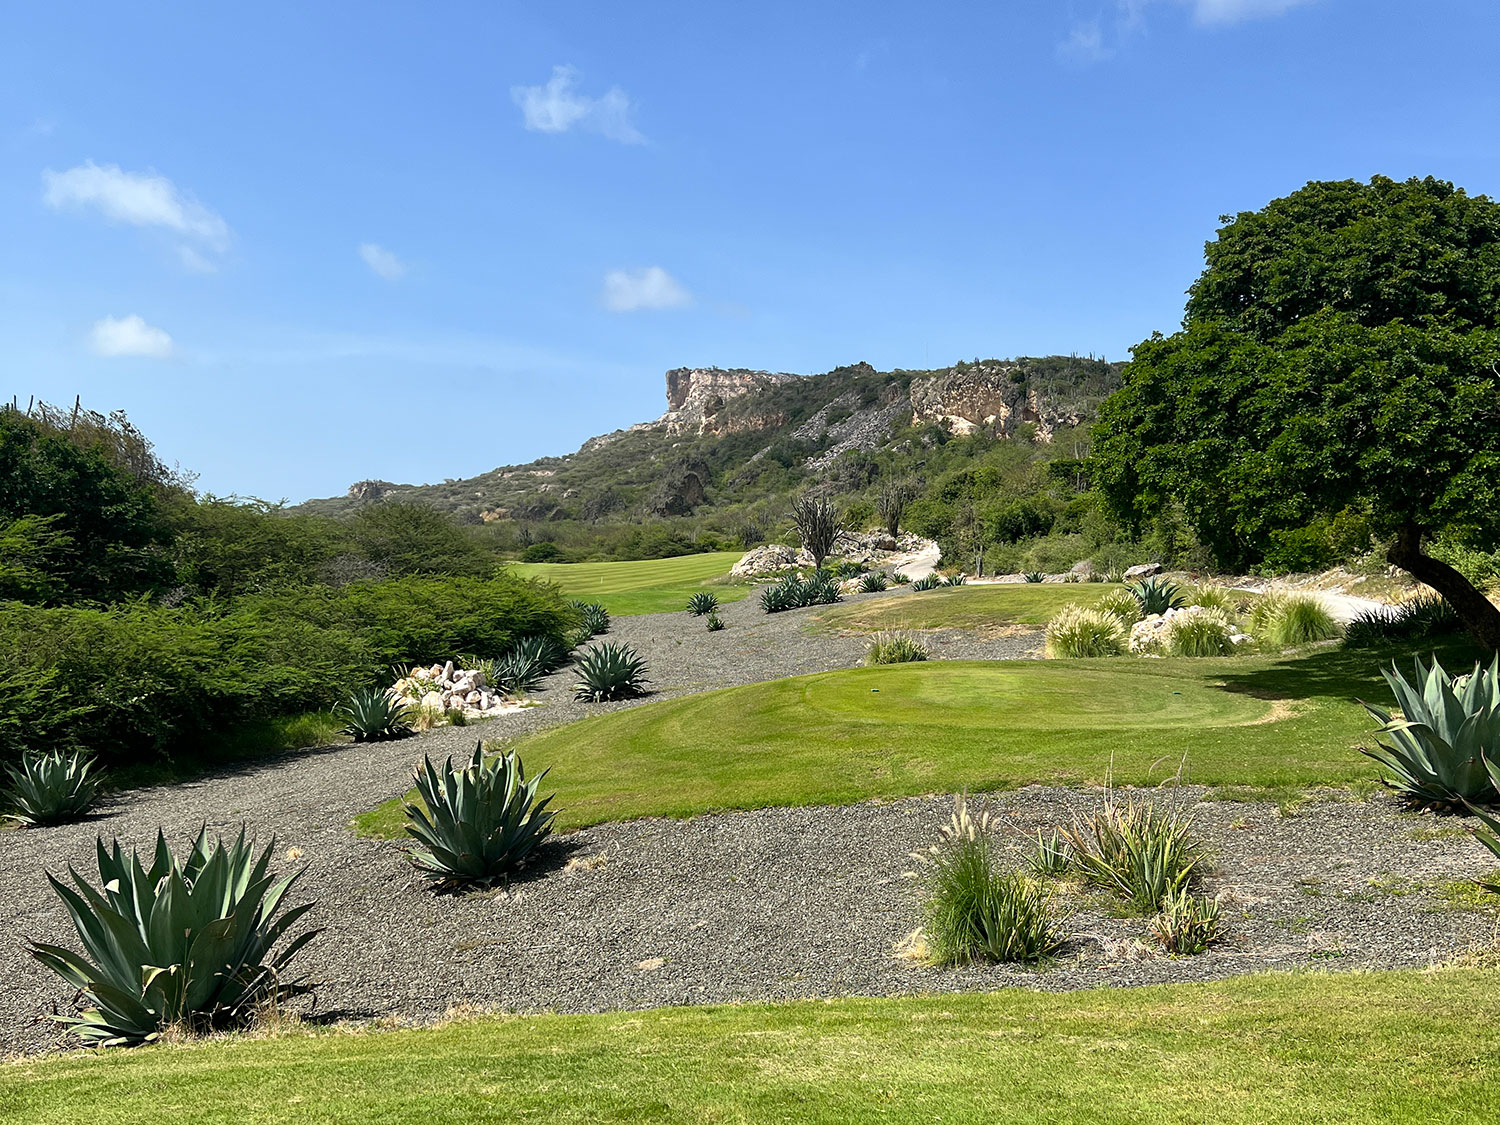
[872,583]
[1079,632]
[1419,618]
[1292,619]
[1199,634]
[1138,851]
[927,582]
[1034,576]
[373,715]
[1157,595]
[895,648]
[1448,727]
[610,671]
[702,603]
[1187,923]
[50,787]
[592,617]
[477,822]
[1210,596]
[715,623]
[179,944]
[1121,604]
[977,911]
[1053,855]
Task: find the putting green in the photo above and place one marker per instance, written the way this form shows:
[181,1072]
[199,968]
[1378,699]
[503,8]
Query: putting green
[980,608]
[645,586]
[943,726]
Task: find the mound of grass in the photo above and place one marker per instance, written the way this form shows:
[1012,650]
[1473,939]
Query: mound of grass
[947,726]
[647,586]
[1270,1049]
[954,607]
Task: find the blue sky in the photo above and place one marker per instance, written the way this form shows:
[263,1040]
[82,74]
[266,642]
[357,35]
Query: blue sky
[307,243]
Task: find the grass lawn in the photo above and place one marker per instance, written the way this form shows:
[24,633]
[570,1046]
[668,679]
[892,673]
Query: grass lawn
[942,726]
[961,607]
[1295,1049]
[649,586]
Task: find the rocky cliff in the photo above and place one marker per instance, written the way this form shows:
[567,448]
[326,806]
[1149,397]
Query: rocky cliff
[696,398]
[996,397]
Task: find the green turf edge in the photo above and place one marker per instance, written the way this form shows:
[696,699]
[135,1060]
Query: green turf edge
[1270,1049]
[628,589]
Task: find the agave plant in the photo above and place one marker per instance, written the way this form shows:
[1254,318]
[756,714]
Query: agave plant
[702,603]
[517,672]
[609,671]
[927,582]
[1157,595]
[176,944]
[51,786]
[714,621]
[872,583]
[955,580]
[374,715]
[546,652]
[1448,727]
[476,822]
[1417,619]
[901,579]
[592,617]
[1034,576]
[821,589]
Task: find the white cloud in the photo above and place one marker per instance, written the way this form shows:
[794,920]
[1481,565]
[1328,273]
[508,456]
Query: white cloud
[557,107]
[381,261]
[139,199]
[1094,40]
[650,288]
[1233,11]
[129,336]
[1085,43]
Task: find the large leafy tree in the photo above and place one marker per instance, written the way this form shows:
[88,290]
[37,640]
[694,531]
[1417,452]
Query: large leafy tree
[1340,355]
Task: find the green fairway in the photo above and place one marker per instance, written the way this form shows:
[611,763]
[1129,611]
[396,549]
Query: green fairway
[979,608]
[648,586]
[943,726]
[1301,1049]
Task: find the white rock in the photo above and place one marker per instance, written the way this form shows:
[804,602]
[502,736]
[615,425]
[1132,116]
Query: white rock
[1145,570]
[433,700]
[472,697]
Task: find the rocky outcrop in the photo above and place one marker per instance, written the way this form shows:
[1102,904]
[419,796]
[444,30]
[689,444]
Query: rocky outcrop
[696,398]
[367,490]
[996,397]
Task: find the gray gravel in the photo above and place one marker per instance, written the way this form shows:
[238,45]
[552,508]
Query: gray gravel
[759,905]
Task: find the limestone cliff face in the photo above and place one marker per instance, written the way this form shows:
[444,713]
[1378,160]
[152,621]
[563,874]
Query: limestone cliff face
[696,398]
[988,396]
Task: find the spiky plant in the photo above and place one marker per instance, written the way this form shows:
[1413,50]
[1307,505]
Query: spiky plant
[895,648]
[1437,748]
[181,943]
[1034,576]
[872,583]
[518,672]
[51,786]
[374,715]
[821,589]
[927,582]
[785,594]
[1187,924]
[1076,632]
[610,671]
[1053,855]
[702,603]
[1114,576]
[477,822]
[955,580]
[1292,619]
[593,618]
[545,651]
[1157,595]
[715,622]
[900,579]
[1141,852]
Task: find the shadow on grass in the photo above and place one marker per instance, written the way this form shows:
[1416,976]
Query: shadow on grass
[1344,675]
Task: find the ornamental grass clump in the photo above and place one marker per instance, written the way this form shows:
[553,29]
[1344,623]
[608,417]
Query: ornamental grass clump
[187,944]
[610,671]
[977,910]
[1080,632]
[374,715]
[1121,604]
[895,648]
[702,603]
[1142,853]
[51,786]
[1283,620]
[1209,633]
[1053,855]
[1440,749]
[1419,618]
[477,822]
[1187,924]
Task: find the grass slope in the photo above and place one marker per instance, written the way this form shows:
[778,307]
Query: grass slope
[942,726]
[1272,1049]
[979,608]
[649,586]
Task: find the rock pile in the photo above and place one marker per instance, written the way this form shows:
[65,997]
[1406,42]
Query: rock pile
[442,688]
[870,548]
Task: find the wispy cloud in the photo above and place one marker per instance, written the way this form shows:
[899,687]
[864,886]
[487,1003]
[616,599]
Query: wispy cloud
[381,261]
[1102,36]
[1235,11]
[139,199]
[558,107]
[1085,43]
[650,288]
[129,336]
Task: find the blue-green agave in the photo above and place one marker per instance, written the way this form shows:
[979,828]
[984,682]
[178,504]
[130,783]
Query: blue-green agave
[51,786]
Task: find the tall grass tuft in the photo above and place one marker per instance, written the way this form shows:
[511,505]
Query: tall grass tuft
[1187,923]
[1200,634]
[1121,604]
[1292,619]
[895,648]
[1142,853]
[1079,632]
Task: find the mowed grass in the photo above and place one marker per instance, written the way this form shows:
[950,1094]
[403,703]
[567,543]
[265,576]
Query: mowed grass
[980,608]
[1302,1049]
[944,726]
[648,586]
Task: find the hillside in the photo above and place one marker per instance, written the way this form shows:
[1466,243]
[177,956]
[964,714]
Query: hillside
[730,438]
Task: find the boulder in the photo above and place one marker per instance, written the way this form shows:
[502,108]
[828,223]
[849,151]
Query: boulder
[1083,568]
[1145,570]
[764,560]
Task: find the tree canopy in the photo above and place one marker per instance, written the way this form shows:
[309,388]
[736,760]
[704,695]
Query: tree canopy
[1339,359]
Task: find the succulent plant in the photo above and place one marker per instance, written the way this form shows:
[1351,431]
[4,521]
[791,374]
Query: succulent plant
[517,672]
[610,671]
[702,603]
[476,822]
[592,617]
[900,579]
[1416,619]
[955,580]
[1448,727]
[1157,595]
[51,786]
[794,592]
[179,943]
[374,715]
[715,623]
[1187,923]
[927,582]
[546,652]
[872,583]
[1034,576]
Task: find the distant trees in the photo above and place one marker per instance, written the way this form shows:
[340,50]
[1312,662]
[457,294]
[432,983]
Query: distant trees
[819,524]
[1339,361]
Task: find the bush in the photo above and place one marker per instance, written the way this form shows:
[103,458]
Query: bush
[702,603]
[373,715]
[977,911]
[1121,604]
[1449,728]
[49,788]
[181,944]
[477,822]
[1079,632]
[1418,618]
[895,648]
[1199,634]
[610,671]
[1187,924]
[1292,619]
[1138,851]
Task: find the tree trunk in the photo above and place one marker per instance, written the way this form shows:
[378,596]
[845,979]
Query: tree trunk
[1477,612]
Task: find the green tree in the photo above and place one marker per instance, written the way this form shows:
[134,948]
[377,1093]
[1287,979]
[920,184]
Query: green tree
[1338,356]
[410,538]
